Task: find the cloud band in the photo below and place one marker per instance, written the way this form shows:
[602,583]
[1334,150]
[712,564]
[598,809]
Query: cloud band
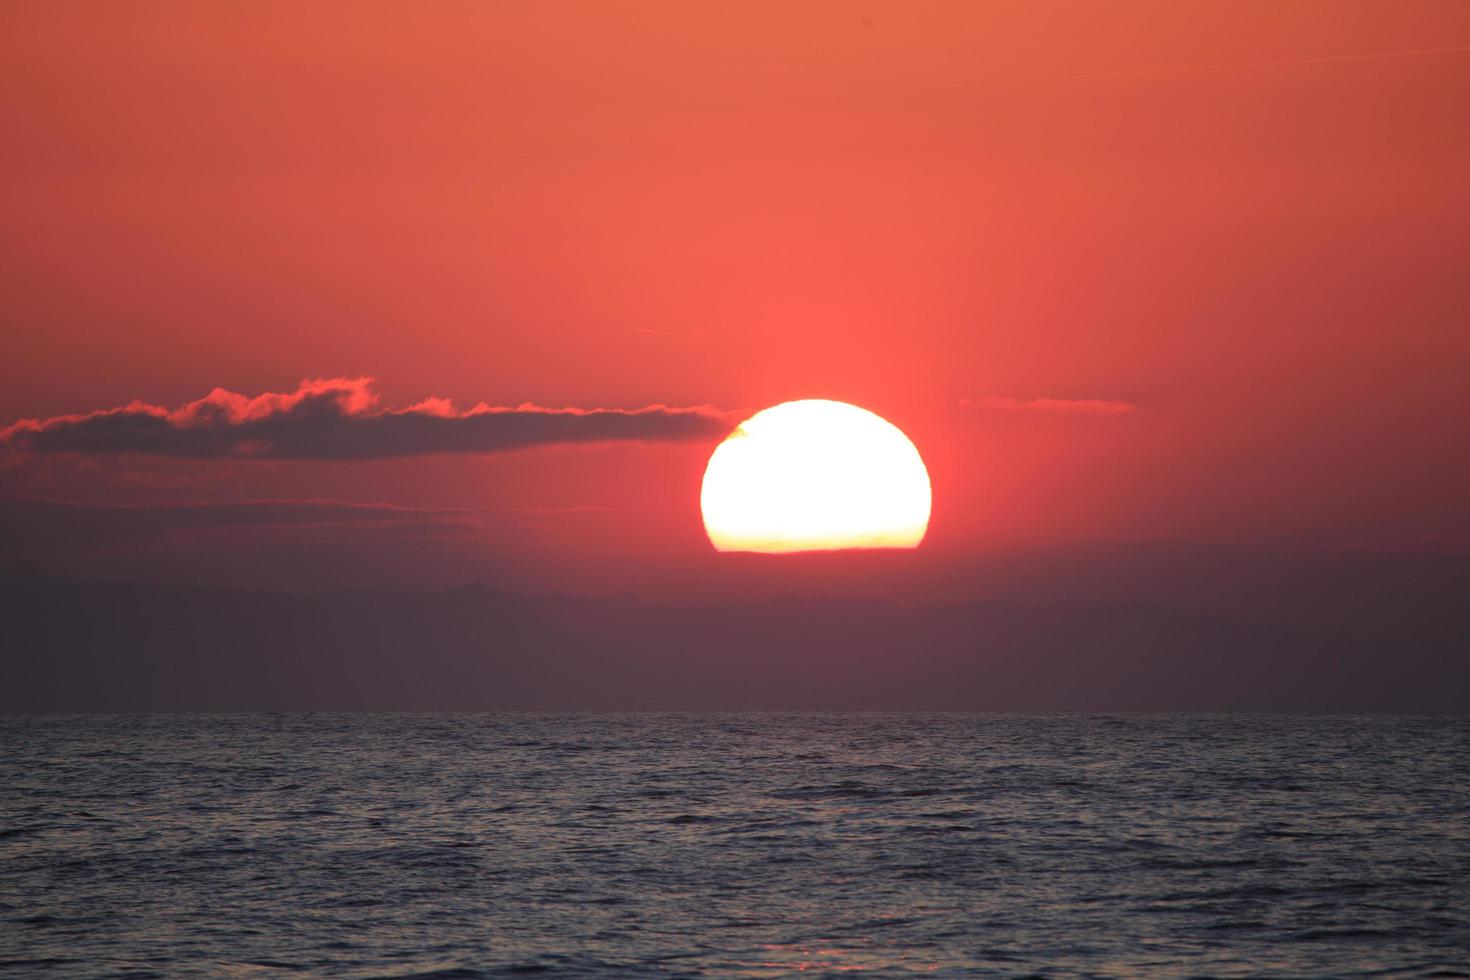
[339,418]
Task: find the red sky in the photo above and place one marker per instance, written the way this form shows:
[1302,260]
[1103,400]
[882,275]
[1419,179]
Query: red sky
[1250,223]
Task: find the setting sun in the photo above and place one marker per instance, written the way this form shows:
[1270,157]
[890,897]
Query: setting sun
[815,475]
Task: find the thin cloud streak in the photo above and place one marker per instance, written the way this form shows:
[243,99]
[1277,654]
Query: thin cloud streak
[1065,406]
[228,513]
[340,419]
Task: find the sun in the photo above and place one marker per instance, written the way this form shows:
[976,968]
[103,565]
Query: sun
[815,475]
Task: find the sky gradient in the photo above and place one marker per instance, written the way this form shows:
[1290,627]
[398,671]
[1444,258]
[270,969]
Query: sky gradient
[1134,278]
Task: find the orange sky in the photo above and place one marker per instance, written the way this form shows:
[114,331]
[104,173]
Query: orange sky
[1218,214]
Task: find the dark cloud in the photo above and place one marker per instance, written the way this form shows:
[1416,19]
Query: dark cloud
[47,529]
[339,418]
[133,647]
[192,514]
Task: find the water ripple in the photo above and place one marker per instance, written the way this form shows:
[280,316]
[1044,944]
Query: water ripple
[762,845]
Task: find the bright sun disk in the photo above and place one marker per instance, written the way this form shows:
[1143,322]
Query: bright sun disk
[815,475]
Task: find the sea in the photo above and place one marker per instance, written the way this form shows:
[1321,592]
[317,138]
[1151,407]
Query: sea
[734,845]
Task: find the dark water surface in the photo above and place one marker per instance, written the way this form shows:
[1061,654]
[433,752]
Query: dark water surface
[734,845]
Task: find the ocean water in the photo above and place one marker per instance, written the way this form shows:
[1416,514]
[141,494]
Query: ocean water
[749,845]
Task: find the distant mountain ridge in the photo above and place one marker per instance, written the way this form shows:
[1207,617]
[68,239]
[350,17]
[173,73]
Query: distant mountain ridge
[130,647]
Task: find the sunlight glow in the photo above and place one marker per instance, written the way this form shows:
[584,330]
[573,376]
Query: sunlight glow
[815,475]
